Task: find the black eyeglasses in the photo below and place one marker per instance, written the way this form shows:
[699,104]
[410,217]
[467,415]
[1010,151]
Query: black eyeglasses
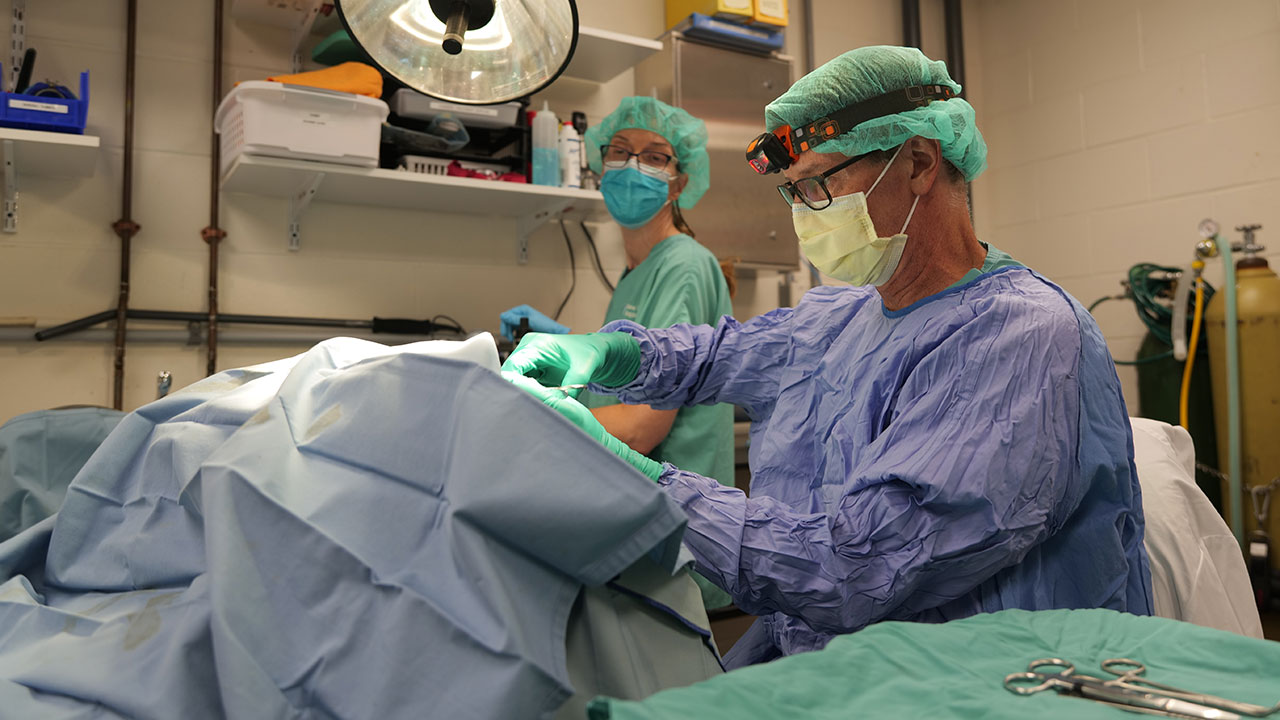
[812,190]
[615,156]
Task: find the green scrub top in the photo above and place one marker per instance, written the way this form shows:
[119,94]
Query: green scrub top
[680,282]
[996,259]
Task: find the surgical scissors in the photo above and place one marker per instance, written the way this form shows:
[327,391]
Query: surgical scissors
[1131,673]
[1068,682]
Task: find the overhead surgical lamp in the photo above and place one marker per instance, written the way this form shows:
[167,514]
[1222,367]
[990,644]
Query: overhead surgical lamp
[476,52]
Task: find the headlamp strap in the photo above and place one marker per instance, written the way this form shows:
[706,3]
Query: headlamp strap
[841,121]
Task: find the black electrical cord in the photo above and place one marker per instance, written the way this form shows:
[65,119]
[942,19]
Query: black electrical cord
[1101,300]
[1145,360]
[596,255]
[456,326]
[573,273]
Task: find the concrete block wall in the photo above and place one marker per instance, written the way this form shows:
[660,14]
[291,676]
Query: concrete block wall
[1114,127]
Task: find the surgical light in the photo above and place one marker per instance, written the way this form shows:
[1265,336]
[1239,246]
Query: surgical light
[475,52]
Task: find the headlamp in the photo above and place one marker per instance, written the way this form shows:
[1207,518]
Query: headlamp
[773,152]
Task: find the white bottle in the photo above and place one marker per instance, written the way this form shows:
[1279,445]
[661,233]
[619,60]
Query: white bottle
[570,157]
[546,160]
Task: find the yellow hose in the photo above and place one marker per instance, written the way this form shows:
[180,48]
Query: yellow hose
[1191,350]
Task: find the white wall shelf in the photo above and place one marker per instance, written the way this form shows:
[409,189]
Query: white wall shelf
[303,182]
[51,153]
[602,55]
[33,152]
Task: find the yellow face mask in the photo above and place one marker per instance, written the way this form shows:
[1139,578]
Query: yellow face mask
[841,241]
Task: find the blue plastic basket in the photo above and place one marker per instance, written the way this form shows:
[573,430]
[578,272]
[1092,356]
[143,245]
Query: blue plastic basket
[755,38]
[51,114]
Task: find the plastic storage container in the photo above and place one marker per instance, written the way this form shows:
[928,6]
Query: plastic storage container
[546,156]
[302,123]
[51,114]
[415,105]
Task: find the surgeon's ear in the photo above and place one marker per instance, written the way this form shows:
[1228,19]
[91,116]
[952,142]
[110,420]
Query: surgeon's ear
[677,186]
[926,161]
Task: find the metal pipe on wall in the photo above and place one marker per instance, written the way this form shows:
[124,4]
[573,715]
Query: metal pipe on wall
[85,323]
[954,27]
[185,337]
[385,326]
[212,234]
[955,40]
[125,227]
[911,36]
[807,8]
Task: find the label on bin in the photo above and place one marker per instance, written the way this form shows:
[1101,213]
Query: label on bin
[468,109]
[42,107]
[315,118]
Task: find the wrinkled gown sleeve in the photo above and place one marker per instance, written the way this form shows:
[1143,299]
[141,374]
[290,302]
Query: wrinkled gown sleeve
[738,363]
[976,465]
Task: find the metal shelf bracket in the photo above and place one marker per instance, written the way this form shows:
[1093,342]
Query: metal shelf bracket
[298,203]
[301,33]
[527,224]
[10,190]
[17,40]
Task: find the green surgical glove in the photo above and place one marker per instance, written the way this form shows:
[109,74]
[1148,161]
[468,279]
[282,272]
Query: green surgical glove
[579,415]
[609,359]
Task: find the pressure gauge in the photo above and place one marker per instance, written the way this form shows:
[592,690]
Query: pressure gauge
[1208,228]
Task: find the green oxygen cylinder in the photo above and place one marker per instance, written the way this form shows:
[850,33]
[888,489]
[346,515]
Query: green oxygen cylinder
[1159,392]
[1258,323]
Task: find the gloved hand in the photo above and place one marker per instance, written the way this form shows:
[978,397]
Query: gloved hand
[608,359]
[579,415]
[537,322]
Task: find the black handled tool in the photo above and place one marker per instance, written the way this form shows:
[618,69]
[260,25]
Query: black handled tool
[24,72]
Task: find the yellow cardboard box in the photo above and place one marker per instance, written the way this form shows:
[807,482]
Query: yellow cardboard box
[741,11]
[769,12]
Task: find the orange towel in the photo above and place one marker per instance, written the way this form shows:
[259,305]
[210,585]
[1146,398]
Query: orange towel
[351,77]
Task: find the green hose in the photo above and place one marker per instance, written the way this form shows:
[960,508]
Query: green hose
[1149,282]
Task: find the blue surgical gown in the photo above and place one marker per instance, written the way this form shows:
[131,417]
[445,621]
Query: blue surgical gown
[968,453]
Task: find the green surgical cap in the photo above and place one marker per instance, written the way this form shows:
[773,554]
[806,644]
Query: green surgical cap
[686,133]
[870,71]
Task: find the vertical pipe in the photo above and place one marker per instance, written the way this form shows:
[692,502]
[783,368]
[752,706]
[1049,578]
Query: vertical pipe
[911,23]
[212,234]
[954,23]
[807,6]
[1235,471]
[125,227]
[955,40]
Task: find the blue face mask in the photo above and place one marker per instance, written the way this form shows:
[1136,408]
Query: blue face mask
[633,197]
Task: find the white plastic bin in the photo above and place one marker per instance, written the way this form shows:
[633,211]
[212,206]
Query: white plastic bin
[291,121]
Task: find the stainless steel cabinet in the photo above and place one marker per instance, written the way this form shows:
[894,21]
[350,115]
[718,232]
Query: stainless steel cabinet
[742,215]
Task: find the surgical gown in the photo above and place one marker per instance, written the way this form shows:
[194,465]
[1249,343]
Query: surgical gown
[966,454]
